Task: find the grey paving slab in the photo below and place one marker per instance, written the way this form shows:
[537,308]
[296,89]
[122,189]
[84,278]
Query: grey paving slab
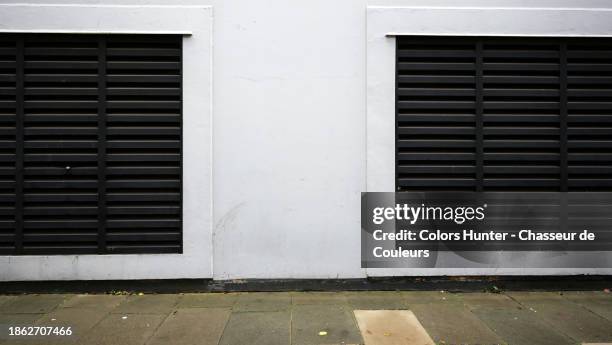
[535,296]
[567,317]
[376,300]
[426,297]
[257,328]
[79,320]
[586,294]
[5,299]
[520,326]
[21,320]
[115,329]
[202,326]
[478,300]
[336,321]
[598,302]
[263,301]
[147,304]
[454,324]
[316,298]
[33,304]
[95,302]
[207,300]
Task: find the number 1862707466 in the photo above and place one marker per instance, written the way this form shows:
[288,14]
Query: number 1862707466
[39,331]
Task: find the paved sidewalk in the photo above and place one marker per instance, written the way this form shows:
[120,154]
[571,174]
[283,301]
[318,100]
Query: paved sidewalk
[315,318]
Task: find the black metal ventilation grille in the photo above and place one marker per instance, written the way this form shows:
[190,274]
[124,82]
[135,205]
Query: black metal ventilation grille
[503,114]
[90,144]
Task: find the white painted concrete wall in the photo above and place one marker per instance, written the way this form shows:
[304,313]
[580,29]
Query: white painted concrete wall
[289,138]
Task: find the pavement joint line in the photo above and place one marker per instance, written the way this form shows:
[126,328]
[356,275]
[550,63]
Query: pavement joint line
[354,318]
[585,307]
[291,321]
[158,326]
[484,323]
[139,313]
[229,316]
[258,311]
[544,320]
[96,324]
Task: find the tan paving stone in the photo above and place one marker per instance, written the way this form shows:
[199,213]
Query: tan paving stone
[202,326]
[391,327]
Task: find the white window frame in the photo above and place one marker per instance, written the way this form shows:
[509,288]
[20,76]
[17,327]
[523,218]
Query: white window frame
[383,25]
[195,24]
